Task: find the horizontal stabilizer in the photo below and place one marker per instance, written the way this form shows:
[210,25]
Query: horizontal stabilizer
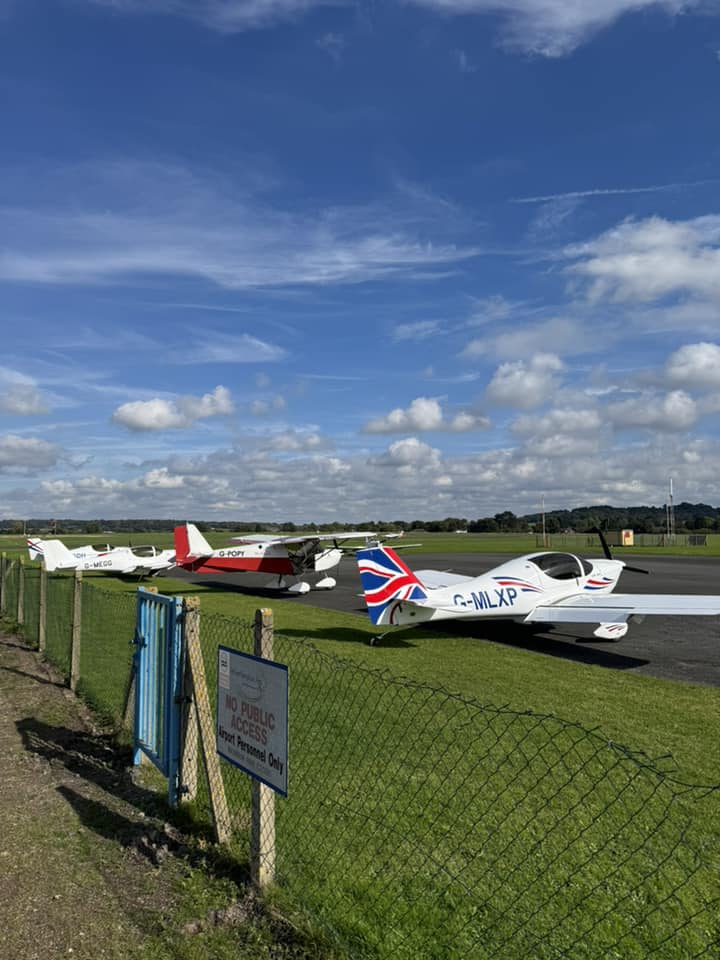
[435,579]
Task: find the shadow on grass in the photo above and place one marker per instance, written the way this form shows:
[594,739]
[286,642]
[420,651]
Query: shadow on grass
[536,639]
[158,832]
[33,676]
[348,635]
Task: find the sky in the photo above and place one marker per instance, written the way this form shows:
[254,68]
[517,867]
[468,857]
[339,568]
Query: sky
[346,260]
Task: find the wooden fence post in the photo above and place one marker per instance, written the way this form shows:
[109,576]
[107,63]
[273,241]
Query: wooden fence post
[262,836]
[20,618]
[42,611]
[76,631]
[3,568]
[206,724]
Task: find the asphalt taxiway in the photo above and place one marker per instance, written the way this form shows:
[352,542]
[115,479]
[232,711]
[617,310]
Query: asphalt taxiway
[676,648]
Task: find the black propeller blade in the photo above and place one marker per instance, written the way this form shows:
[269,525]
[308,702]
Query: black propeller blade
[609,556]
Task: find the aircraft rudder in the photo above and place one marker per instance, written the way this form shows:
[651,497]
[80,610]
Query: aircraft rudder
[182,544]
[197,544]
[386,579]
[57,556]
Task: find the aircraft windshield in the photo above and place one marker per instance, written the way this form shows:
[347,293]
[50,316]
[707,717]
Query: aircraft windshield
[560,566]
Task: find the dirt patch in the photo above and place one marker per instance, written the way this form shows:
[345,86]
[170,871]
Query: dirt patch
[89,865]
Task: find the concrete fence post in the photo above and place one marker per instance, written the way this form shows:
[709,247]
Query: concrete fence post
[262,836]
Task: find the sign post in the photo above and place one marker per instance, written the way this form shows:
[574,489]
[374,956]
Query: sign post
[252,734]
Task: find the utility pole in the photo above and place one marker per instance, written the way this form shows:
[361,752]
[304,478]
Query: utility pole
[671,515]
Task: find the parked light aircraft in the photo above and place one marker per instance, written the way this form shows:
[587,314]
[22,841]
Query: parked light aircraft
[264,553]
[36,551]
[140,560]
[536,588]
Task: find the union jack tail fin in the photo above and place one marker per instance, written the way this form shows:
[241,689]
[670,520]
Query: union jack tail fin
[386,580]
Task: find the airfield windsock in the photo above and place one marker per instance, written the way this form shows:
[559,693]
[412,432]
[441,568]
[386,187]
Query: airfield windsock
[386,580]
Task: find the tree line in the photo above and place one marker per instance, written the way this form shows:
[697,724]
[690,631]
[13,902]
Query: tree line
[688,518]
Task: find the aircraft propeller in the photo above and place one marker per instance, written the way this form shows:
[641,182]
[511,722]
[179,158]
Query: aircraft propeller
[608,554]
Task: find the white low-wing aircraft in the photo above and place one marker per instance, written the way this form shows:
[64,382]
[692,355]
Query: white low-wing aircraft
[140,560]
[536,588]
[265,553]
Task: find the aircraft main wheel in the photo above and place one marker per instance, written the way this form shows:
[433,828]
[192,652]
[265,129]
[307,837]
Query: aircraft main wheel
[374,641]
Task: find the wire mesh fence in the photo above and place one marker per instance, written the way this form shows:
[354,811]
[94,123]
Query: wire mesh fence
[58,629]
[106,652]
[423,824]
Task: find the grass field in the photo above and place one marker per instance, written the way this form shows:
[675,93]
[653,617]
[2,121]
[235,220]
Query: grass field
[645,714]
[584,544]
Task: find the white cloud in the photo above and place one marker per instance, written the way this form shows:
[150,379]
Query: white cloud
[555,28]
[569,421]
[612,191]
[649,259]
[19,395]
[425,413]
[226,16]
[26,454]
[333,44]
[160,414]
[216,347]
[674,411]
[526,384]
[420,330]
[552,28]
[409,453]
[293,441]
[695,365]
[575,336]
[264,408]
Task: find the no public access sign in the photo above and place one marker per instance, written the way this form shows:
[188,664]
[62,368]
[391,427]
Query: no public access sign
[252,716]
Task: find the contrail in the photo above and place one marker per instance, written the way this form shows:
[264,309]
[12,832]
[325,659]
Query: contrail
[611,191]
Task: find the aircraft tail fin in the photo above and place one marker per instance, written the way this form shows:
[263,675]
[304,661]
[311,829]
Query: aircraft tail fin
[190,544]
[386,580]
[57,556]
[35,548]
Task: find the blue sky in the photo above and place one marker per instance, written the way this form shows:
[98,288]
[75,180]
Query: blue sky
[313,260]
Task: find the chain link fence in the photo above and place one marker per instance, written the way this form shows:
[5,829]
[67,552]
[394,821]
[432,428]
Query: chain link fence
[421,824]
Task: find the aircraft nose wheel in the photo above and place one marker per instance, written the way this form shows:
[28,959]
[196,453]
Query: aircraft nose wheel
[374,641]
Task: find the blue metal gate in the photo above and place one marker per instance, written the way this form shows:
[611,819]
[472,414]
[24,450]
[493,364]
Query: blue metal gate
[158,684]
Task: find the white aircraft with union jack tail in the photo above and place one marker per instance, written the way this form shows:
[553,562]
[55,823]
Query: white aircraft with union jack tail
[543,587]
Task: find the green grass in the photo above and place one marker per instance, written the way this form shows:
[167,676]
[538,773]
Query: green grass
[584,544]
[385,771]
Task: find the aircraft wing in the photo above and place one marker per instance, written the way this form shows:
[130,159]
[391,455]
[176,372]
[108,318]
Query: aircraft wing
[440,578]
[303,538]
[617,607]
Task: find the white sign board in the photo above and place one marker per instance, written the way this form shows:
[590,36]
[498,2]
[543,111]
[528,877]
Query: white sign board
[252,716]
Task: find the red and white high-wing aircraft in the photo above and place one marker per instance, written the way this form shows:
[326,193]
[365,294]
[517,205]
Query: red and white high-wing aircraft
[264,553]
[535,588]
[141,560]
